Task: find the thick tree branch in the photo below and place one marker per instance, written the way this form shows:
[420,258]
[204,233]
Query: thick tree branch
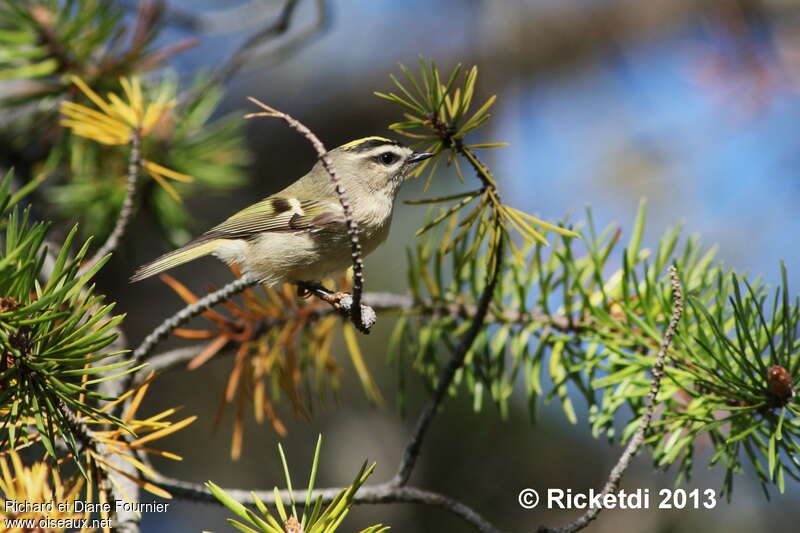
[352,227]
[369,494]
[126,212]
[636,441]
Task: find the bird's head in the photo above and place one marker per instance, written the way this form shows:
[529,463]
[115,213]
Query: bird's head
[376,163]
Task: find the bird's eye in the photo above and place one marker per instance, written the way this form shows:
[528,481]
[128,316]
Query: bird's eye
[387,158]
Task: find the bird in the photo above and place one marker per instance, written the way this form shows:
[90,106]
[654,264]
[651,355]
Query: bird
[300,233]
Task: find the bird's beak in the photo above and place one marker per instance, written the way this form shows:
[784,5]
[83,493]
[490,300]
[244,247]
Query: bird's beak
[416,157]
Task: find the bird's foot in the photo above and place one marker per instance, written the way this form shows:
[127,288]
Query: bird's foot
[342,301]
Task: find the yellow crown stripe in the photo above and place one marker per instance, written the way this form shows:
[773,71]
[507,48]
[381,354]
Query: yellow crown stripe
[357,142]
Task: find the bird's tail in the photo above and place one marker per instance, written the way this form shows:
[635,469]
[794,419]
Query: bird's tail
[178,257]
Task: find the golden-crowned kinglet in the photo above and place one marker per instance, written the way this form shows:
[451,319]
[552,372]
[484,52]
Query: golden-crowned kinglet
[299,234]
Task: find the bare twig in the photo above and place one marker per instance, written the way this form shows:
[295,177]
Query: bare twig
[240,57]
[237,18]
[369,494]
[190,311]
[636,441]
[248,52]
[352,228]
[165,361]
[126,212]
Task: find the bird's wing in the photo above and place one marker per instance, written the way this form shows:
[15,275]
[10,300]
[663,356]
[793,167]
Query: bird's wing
[276,213]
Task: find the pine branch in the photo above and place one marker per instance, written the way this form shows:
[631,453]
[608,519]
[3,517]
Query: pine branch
[636,441]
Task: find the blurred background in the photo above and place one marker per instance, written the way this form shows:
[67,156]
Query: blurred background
[691,104]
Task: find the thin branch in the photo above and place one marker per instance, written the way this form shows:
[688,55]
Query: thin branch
[412,448]
[165,361]
[381,302]
[352,228]
[369,494]
[187,313]
[636,441]
[247,51]
[240,57]
[126,212]
[237,18]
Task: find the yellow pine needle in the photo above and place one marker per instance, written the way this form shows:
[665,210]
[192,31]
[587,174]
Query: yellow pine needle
[156,111]
[526,234]
[516,251]
[485,145]
[91,131]
[122,110]
[543,224]
[146,485]
[133,90]
[164,432]
[238,429]
[413,118]
[168,173]
[162,453]
[522,226]
[259,399]
[448,232]
[79,111]
[137,101]
[102,498]
[282,340]
[138,464]
[433,287]
[452,102]
[117,121]
[155,418]
[167,187]
[208,352]
[361,369]
[477,115]
[233,377]
[457,166]
[137,400]
[93,96]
